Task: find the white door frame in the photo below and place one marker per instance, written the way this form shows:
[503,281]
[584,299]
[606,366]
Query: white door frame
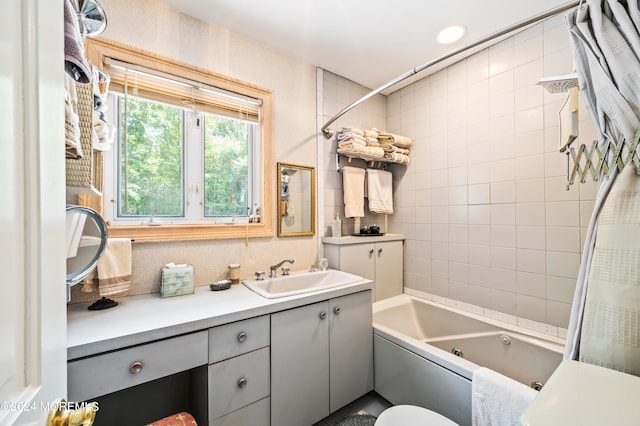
[32,211]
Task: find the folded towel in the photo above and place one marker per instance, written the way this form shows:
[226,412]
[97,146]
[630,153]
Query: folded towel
[497,399]
[373,133]
[114,267]
[380,191]
[349,146]
[353,190]
[354,130]
[395,157]
[397,140]
[392,148]
[350,135]
[372,141]
[75,63]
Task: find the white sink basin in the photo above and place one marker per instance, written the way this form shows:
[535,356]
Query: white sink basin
[300,282]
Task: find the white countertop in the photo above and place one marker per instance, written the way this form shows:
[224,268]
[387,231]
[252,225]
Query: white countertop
[141,319]
[352,239]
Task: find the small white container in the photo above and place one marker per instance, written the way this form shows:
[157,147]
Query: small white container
[234,273]
[336,227]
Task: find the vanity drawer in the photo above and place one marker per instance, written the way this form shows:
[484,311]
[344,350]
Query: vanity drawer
[256,414]
[238,382]
[99,375]
[237,338]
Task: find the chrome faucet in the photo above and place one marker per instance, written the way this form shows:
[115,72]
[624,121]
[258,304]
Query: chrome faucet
[273,268]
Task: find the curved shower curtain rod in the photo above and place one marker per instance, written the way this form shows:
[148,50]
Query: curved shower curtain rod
[328,133]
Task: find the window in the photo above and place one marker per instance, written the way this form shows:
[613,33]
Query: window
[191,153]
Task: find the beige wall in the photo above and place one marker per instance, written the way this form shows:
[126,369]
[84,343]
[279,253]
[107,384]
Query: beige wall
[154,27]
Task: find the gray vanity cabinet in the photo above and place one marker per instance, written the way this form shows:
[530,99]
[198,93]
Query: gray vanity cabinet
[238,373]
[321,358]
[376,258]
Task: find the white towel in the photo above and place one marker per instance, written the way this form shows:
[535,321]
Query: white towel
[353,189]
[497,399]
[380,191]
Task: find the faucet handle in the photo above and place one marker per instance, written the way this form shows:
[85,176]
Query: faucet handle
[260,276]
[285,270]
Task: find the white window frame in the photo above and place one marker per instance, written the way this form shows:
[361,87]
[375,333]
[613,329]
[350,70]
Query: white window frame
[192,175]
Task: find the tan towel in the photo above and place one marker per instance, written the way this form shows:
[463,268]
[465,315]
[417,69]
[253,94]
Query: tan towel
[353,188]
[397,140]
[351,136]
[355,130]
[348,146]
[371,133]
[395,157]
[114,267]
[380,191]
[392,148]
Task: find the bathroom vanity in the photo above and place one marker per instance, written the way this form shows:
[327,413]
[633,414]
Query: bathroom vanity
[227,356]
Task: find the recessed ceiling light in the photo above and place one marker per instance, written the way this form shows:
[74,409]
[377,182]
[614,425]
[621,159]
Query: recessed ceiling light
[451,34]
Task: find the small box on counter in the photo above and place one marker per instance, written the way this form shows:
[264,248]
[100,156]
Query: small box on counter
[177,280]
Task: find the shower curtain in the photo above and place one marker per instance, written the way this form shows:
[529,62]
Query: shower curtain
[606,43]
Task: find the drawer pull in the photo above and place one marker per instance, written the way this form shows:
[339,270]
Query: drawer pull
[136,367]
[323,315]
[370,252]
[242,382]
[337,310]
[242,336]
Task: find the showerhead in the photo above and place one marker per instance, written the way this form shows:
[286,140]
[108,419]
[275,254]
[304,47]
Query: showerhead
[559,83]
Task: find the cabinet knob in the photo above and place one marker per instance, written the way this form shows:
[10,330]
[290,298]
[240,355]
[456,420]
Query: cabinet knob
[337,310]
[136,367]
[379,251]
[242,336]
[242,382]
[370,252]
[323,315]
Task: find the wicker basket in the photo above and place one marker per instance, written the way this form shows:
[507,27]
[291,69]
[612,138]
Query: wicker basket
[80,172]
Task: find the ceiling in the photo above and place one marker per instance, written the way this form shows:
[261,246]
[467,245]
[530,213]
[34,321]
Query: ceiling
[367,41]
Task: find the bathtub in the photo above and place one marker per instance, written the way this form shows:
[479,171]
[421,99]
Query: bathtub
[425,354]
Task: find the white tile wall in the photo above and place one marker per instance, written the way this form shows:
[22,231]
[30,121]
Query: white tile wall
[497,192]
[483,204]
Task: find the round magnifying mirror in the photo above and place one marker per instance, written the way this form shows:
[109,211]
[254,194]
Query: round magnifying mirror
[86,239]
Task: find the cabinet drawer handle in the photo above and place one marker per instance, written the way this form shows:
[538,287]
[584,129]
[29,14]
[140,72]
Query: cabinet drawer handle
[242,336]
[323,315]
[242,382]
[136,367]
[337,310]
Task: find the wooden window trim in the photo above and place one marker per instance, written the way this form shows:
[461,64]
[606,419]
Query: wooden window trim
[98,49]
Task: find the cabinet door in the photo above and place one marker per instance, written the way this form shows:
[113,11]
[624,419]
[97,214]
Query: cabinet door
[388,269]
[350,348]
[359,259]
[300,365]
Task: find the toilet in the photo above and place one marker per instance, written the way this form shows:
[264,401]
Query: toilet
[410,415]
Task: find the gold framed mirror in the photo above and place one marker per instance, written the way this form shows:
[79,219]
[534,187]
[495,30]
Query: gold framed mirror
[296,200]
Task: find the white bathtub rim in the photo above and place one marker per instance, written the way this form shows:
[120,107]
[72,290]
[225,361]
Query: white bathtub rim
[507,326]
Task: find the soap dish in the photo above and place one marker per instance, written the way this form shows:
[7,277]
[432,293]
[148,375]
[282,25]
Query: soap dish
[220,285]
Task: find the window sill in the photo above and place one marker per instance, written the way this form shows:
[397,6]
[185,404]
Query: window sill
[190,232]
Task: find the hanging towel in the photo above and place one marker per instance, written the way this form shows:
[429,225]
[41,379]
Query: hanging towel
[497,399]
[114,267]
[380,191]
[75,63]
[353,188]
